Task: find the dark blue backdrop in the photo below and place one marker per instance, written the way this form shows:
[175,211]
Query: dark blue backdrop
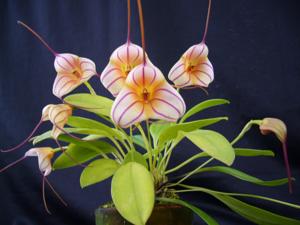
[254,47]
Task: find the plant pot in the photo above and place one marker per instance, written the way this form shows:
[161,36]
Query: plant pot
[161,215]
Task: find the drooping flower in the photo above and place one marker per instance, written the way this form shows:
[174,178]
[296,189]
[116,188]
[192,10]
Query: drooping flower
[122,61]
[278,127]
[194,68]
[57,114]
[71,69]
[44,155]
[146,95]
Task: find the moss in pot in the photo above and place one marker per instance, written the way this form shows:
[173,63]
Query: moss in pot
[137,132]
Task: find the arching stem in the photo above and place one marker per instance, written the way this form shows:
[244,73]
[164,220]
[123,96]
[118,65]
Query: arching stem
[26,140]
[38,37]
[141,18]
[207,22]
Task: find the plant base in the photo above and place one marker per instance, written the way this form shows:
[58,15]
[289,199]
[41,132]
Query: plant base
[161,215]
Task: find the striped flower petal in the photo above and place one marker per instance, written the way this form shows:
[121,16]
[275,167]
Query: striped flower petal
[146,95]
[72,71]
[58,116]
[193,68]
[44,154]
[121,62]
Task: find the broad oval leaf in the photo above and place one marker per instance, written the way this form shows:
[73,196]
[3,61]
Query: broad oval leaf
[92,103]
[82,152]
[134,156]
[172,131]
[132,191]
[213,143]
[243,176]
[98,171]
[203,105]
[203,215]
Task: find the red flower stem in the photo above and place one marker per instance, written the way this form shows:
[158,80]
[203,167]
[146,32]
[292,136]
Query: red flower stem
[128,20]
[26,140]
[287,165]
[141,18]
[207,21]
[55,192]
[38,37]
[44,196]
[12,164]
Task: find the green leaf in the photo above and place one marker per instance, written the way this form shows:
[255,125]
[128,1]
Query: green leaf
[98,171]
[255,214]
[243,176]
[134,156]
[47,135]
[157,128]
[132,191]
[94,145]
[203,215]
[253,152]
[213,143]
[80,122]
[92,103]
[138,140]
[203,105]
[212,192]
[172,131]
[82,152]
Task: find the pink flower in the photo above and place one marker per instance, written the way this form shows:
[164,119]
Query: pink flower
[72,71]
[146,95]
[193,68]
[122,61]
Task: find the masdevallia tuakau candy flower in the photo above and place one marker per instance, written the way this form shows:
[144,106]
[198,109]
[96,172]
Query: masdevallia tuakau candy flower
[57,114]
[44,156]
[121,62]
[146,95]
[194,69]
[71,69]
[278,127]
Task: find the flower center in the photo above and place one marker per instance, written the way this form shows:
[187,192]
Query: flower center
[76,73]
[126,69]
[190,67]
[145,95]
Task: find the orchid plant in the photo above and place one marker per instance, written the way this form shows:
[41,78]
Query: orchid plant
[138,132]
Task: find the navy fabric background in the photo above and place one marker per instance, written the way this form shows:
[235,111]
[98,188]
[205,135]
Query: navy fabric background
[254,47]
